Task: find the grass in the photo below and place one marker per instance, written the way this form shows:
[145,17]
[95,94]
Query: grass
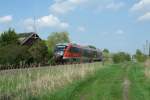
[140,88]
[76,82]
[105,84]
[35,82]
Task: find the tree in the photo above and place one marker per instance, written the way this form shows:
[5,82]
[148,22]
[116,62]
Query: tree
[13,56]
[39,52]
[121,57]
[8,37]
[106,51]
[57,37]
[91,46]
[139,56]
[106,55]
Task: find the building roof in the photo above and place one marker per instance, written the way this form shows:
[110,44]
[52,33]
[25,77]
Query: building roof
[25,34]
[24,37]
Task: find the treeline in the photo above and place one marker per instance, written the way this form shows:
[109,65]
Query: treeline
[120,57]
[15,55]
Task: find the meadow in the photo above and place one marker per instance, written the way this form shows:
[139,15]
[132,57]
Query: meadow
[34,82]
[91,81]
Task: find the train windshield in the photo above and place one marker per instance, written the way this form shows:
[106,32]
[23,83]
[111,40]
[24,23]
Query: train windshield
[60,48]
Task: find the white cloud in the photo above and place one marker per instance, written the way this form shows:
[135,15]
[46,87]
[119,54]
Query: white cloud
[120,32]
[81,29]
[29,24]
[110,5]
[115,6]
[145,17]
[6,19]
[64,6]
[141,6]
[44,22]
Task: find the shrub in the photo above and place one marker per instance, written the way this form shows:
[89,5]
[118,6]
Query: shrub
[8,37]
[39,52]
[13,54]
[121,57]
[139,56]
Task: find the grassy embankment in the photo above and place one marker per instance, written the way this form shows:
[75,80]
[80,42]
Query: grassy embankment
[77,82]
[139,76]
[38,82]
[108,84]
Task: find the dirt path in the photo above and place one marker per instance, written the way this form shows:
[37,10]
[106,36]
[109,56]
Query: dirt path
[126,85]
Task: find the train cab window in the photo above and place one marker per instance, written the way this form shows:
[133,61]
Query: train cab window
[60,48]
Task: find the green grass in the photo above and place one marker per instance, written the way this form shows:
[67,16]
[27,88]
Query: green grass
[106,84]
[35,82]
[140,87]
[75,82]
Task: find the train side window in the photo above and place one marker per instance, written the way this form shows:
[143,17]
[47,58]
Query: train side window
[74,50]
[85,53]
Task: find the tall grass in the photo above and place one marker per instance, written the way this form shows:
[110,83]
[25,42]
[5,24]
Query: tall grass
[140,88]
[24,83]
[147,68]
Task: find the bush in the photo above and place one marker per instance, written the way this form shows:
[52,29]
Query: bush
[13,54]
[8,37]
[106,55]
[39,52]
[121,57]
[139,56]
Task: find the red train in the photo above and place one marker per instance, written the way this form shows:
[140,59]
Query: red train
[69,52]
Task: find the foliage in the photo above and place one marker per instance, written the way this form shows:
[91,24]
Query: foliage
[121,57]
[91,46]
[57,37]
[139,89]
[139,56]
[39,52]
[31,84]
[106,55]
[106,51]
[13,54]
[8,37]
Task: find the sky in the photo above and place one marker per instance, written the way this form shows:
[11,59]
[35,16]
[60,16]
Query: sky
[119,25]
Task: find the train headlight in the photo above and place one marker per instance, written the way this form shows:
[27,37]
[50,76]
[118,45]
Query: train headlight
[60,53]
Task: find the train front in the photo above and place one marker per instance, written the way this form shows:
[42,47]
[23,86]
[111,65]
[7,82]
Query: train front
[59,52]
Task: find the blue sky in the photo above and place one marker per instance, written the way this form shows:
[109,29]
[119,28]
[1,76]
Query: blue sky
[119,25]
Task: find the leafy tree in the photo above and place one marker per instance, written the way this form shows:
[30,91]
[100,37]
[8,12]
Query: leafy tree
[57,37]
[121,57]
[106,55]
[39,52]
[91,46]
[8,37]
[106,51]
[15,55]
[139,56]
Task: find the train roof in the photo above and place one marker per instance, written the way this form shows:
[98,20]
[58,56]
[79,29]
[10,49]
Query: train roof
[85,47]
[67,44]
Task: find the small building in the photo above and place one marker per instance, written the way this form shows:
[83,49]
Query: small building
[28,38]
